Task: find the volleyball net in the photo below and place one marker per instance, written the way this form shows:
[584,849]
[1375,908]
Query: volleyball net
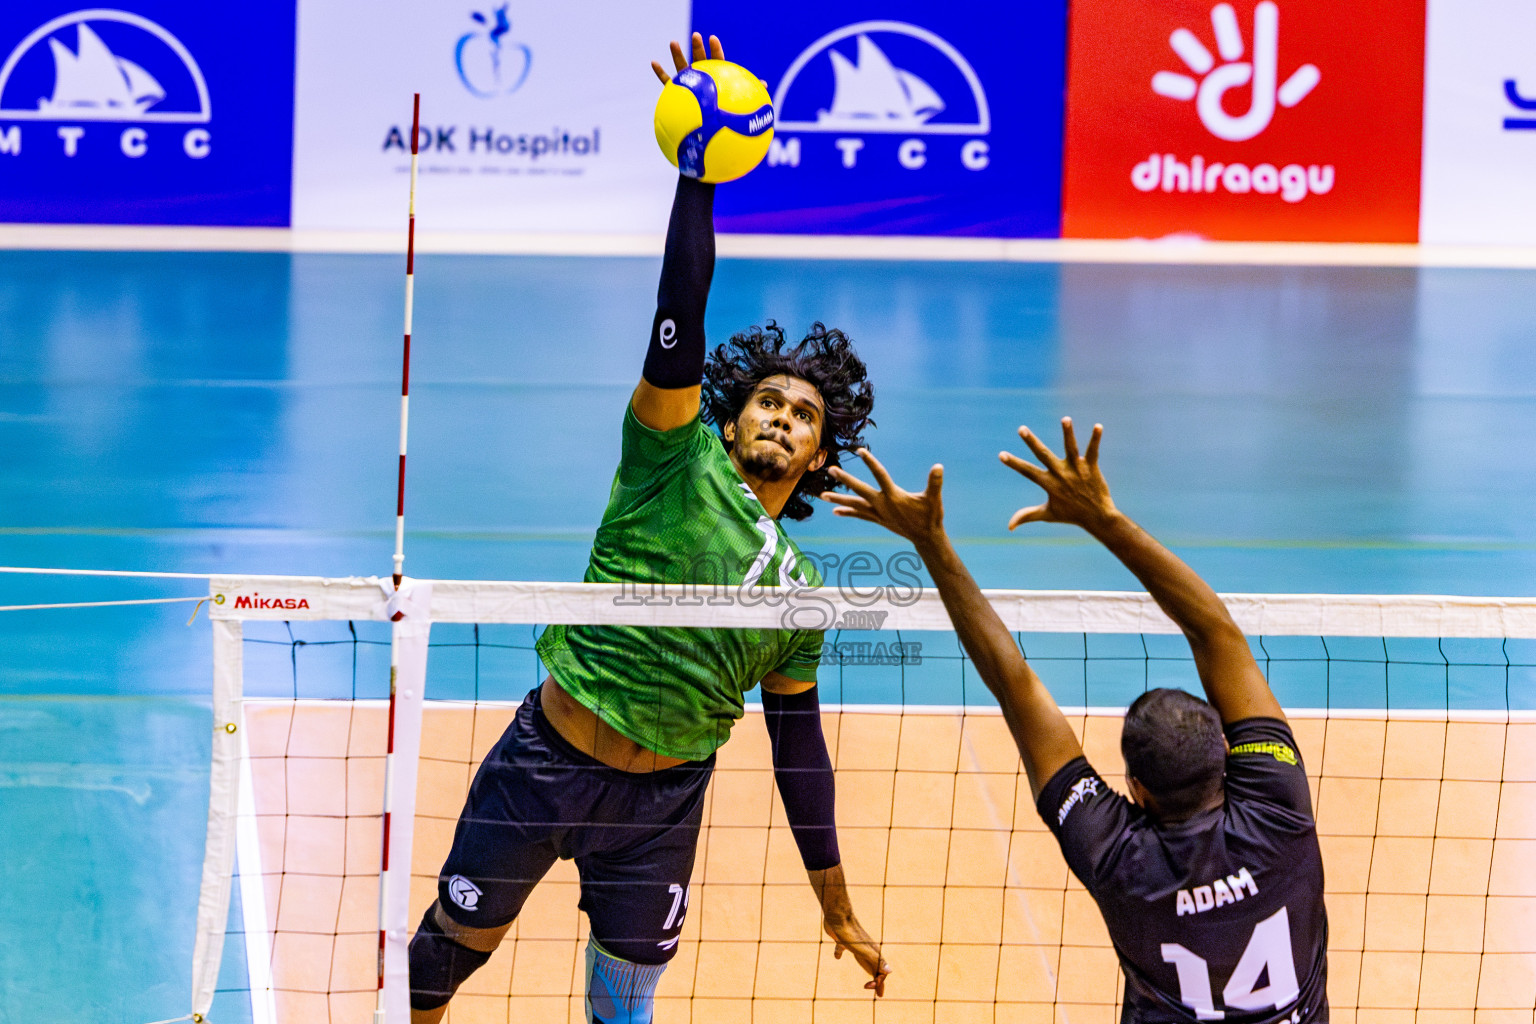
[1416,717]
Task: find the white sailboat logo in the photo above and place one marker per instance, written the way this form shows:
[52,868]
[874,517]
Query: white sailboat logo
[871,94]
[875,90]
[95,80]
[91,83]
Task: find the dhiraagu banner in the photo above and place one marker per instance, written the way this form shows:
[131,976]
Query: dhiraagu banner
[535,116]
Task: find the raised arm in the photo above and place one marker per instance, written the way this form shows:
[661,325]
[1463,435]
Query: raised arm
[1077,493]
[1045,739]
[668,393]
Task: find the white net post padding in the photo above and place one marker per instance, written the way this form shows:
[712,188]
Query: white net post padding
[253,893]
[408,669]
[223,807]
[234,600]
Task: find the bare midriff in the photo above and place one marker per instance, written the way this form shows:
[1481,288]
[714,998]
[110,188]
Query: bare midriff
[582,729]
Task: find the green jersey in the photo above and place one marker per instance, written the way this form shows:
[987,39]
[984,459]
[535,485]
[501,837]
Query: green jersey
[679,513]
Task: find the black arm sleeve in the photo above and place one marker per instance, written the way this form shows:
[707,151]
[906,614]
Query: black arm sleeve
[803,772]
[675,358]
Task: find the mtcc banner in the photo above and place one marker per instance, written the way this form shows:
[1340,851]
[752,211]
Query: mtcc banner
[160,112]
[901,117]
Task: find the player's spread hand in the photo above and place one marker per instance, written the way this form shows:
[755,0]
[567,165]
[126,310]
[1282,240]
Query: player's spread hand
[715,53]
[916,516]
[1075,489]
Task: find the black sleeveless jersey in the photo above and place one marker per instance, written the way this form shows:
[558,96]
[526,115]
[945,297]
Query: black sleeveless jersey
[1219,917]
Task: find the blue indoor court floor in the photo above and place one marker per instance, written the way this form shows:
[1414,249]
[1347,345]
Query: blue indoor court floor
[1286,429]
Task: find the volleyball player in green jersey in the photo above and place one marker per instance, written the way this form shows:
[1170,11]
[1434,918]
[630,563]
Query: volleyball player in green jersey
[607,762]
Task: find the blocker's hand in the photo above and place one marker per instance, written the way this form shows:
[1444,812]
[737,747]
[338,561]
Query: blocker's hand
[715,53]
[1075,489]
[917,517]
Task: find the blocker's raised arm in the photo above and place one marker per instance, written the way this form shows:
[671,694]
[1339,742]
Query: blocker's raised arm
[1077,493]
[1045,738]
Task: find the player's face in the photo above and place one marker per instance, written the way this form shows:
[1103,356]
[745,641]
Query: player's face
[777,436]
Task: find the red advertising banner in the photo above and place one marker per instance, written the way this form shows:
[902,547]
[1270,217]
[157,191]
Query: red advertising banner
[1297,120]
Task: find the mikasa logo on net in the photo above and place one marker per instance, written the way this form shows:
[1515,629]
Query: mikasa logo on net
[1292,181]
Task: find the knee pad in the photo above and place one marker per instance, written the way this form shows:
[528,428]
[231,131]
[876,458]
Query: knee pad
[439,965]
[618,991]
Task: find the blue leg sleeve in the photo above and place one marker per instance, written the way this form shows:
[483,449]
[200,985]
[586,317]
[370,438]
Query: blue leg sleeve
[619,992]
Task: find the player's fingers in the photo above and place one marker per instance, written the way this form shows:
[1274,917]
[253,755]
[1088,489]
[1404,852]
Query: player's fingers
[1033,514]
[678,60]
[660,73]
[935,482]
[715,49]
[1023,467]
[878,471]
[698,46]
[1042,451]
[852,482]
[867,515]
[870,959]
[848,504]
[1093,444]
[1069,440]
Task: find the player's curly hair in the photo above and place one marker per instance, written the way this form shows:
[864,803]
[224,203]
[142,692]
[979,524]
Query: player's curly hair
[825,359]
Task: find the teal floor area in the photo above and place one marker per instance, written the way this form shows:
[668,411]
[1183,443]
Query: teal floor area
[1286,429]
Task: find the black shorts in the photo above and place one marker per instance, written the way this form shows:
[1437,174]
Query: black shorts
[633,837]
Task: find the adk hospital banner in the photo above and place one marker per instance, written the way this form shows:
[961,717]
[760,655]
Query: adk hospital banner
[1311,120]
[535,116]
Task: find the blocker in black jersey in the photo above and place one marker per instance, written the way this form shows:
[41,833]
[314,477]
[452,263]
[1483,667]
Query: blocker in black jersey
[1219,916]
[1209,877]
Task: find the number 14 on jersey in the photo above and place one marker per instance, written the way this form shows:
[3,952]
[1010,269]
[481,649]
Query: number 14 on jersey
[1269,947]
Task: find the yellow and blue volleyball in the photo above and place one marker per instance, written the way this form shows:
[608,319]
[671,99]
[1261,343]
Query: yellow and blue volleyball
[714,121]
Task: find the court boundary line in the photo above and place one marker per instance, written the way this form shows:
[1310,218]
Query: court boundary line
[112,238]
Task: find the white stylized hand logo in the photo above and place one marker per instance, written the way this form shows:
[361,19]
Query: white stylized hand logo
[1235,73]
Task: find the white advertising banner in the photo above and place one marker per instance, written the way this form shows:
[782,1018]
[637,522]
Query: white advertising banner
[535,117]
[1480,123]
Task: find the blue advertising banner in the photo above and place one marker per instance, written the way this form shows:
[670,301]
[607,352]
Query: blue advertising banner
[901,116]
[158,112]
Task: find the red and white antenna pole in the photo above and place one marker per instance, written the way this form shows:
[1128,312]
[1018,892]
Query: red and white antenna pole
[405,371]
[380,1015]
